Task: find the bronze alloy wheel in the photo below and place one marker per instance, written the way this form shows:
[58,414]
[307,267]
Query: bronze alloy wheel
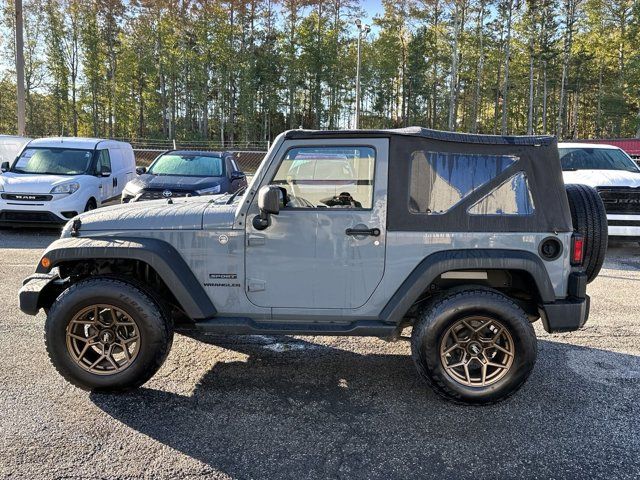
[477,351]
[103,339]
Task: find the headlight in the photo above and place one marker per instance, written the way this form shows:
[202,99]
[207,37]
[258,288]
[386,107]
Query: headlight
[66,188]
[1,188]
[209,191]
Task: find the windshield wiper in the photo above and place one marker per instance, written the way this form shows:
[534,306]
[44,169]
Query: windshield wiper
[238,192]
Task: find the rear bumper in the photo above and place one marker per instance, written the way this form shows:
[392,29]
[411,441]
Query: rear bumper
[38,290]
[571,313]
[565,315]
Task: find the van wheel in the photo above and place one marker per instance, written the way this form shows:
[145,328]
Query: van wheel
[590,220]
[474,346]
[91,205]
[106,334]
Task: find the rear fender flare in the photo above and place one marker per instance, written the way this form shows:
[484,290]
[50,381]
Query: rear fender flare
[437,263]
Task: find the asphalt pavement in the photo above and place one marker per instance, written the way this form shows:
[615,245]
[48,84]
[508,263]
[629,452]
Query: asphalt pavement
[323,407]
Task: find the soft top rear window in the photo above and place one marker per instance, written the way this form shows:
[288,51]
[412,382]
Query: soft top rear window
[440,180]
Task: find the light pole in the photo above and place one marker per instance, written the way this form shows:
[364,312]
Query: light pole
[20,68]
[362,29]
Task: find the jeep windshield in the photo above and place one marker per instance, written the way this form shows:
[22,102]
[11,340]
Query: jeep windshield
[185,165]
[596,159]
[53,161]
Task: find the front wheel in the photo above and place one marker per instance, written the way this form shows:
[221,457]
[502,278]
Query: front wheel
[474,346]
[106,334]
[91,205]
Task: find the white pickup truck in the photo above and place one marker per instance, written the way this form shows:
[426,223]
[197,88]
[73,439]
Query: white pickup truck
[614,175]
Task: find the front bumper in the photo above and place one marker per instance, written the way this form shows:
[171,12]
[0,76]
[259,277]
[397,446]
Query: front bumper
[623,225]
[32,217]
[56,211]
[39,289]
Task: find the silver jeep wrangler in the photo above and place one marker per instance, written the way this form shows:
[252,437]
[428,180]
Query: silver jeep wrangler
[464,239]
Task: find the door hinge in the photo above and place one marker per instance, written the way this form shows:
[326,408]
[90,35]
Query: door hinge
[254,240]
[255,285]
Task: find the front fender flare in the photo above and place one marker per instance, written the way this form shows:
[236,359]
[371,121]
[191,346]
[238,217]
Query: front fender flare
[158,254]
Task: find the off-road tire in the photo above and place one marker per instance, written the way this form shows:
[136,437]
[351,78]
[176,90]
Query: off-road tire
[156,332]
[436,319]
[590,220]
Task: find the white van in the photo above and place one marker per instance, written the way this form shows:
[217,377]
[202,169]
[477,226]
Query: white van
[10,146]
[54,179]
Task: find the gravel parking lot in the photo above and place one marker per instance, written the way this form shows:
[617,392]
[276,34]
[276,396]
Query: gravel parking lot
[320,407]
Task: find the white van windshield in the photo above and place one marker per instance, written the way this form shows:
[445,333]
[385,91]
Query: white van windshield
[54,161]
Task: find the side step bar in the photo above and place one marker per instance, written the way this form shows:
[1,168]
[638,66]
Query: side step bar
[248,326]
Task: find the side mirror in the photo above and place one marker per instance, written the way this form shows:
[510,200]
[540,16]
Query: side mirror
[105,172]
[237,175]
[141,170]
[5,166]
[269,203]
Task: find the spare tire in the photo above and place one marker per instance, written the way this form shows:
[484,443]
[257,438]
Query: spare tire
[589,219]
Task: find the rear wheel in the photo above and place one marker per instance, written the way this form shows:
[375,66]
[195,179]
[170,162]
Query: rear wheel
[590,220]
[106,334]
[474,346]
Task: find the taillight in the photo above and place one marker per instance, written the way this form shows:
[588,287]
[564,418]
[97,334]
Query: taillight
[577,249]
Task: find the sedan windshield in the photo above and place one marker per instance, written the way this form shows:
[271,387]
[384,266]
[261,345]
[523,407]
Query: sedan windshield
[54,161]
[187,165]
[596,159]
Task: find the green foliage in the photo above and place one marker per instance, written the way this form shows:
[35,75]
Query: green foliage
[245,70]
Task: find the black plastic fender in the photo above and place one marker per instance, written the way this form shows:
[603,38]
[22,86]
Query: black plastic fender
[477,259]
[158,254]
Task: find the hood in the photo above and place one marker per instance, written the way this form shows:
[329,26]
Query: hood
[182,214]
[175,182]
[32,183]
[603,178]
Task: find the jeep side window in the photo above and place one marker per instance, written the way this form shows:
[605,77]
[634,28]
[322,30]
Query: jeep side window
[327,177]
[512,197]
[440,180]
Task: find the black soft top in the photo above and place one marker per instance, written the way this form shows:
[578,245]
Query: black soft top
[426,133]
[537,158]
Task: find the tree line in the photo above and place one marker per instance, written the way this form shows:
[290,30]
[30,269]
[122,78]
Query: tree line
[245,70]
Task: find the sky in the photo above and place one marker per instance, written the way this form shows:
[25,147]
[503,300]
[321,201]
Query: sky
[373,7]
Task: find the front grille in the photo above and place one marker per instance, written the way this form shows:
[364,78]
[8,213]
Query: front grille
[158,194]
[27,197]
[28,217]
[621,200]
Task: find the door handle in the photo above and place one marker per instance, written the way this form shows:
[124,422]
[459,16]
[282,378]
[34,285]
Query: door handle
[373,232]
